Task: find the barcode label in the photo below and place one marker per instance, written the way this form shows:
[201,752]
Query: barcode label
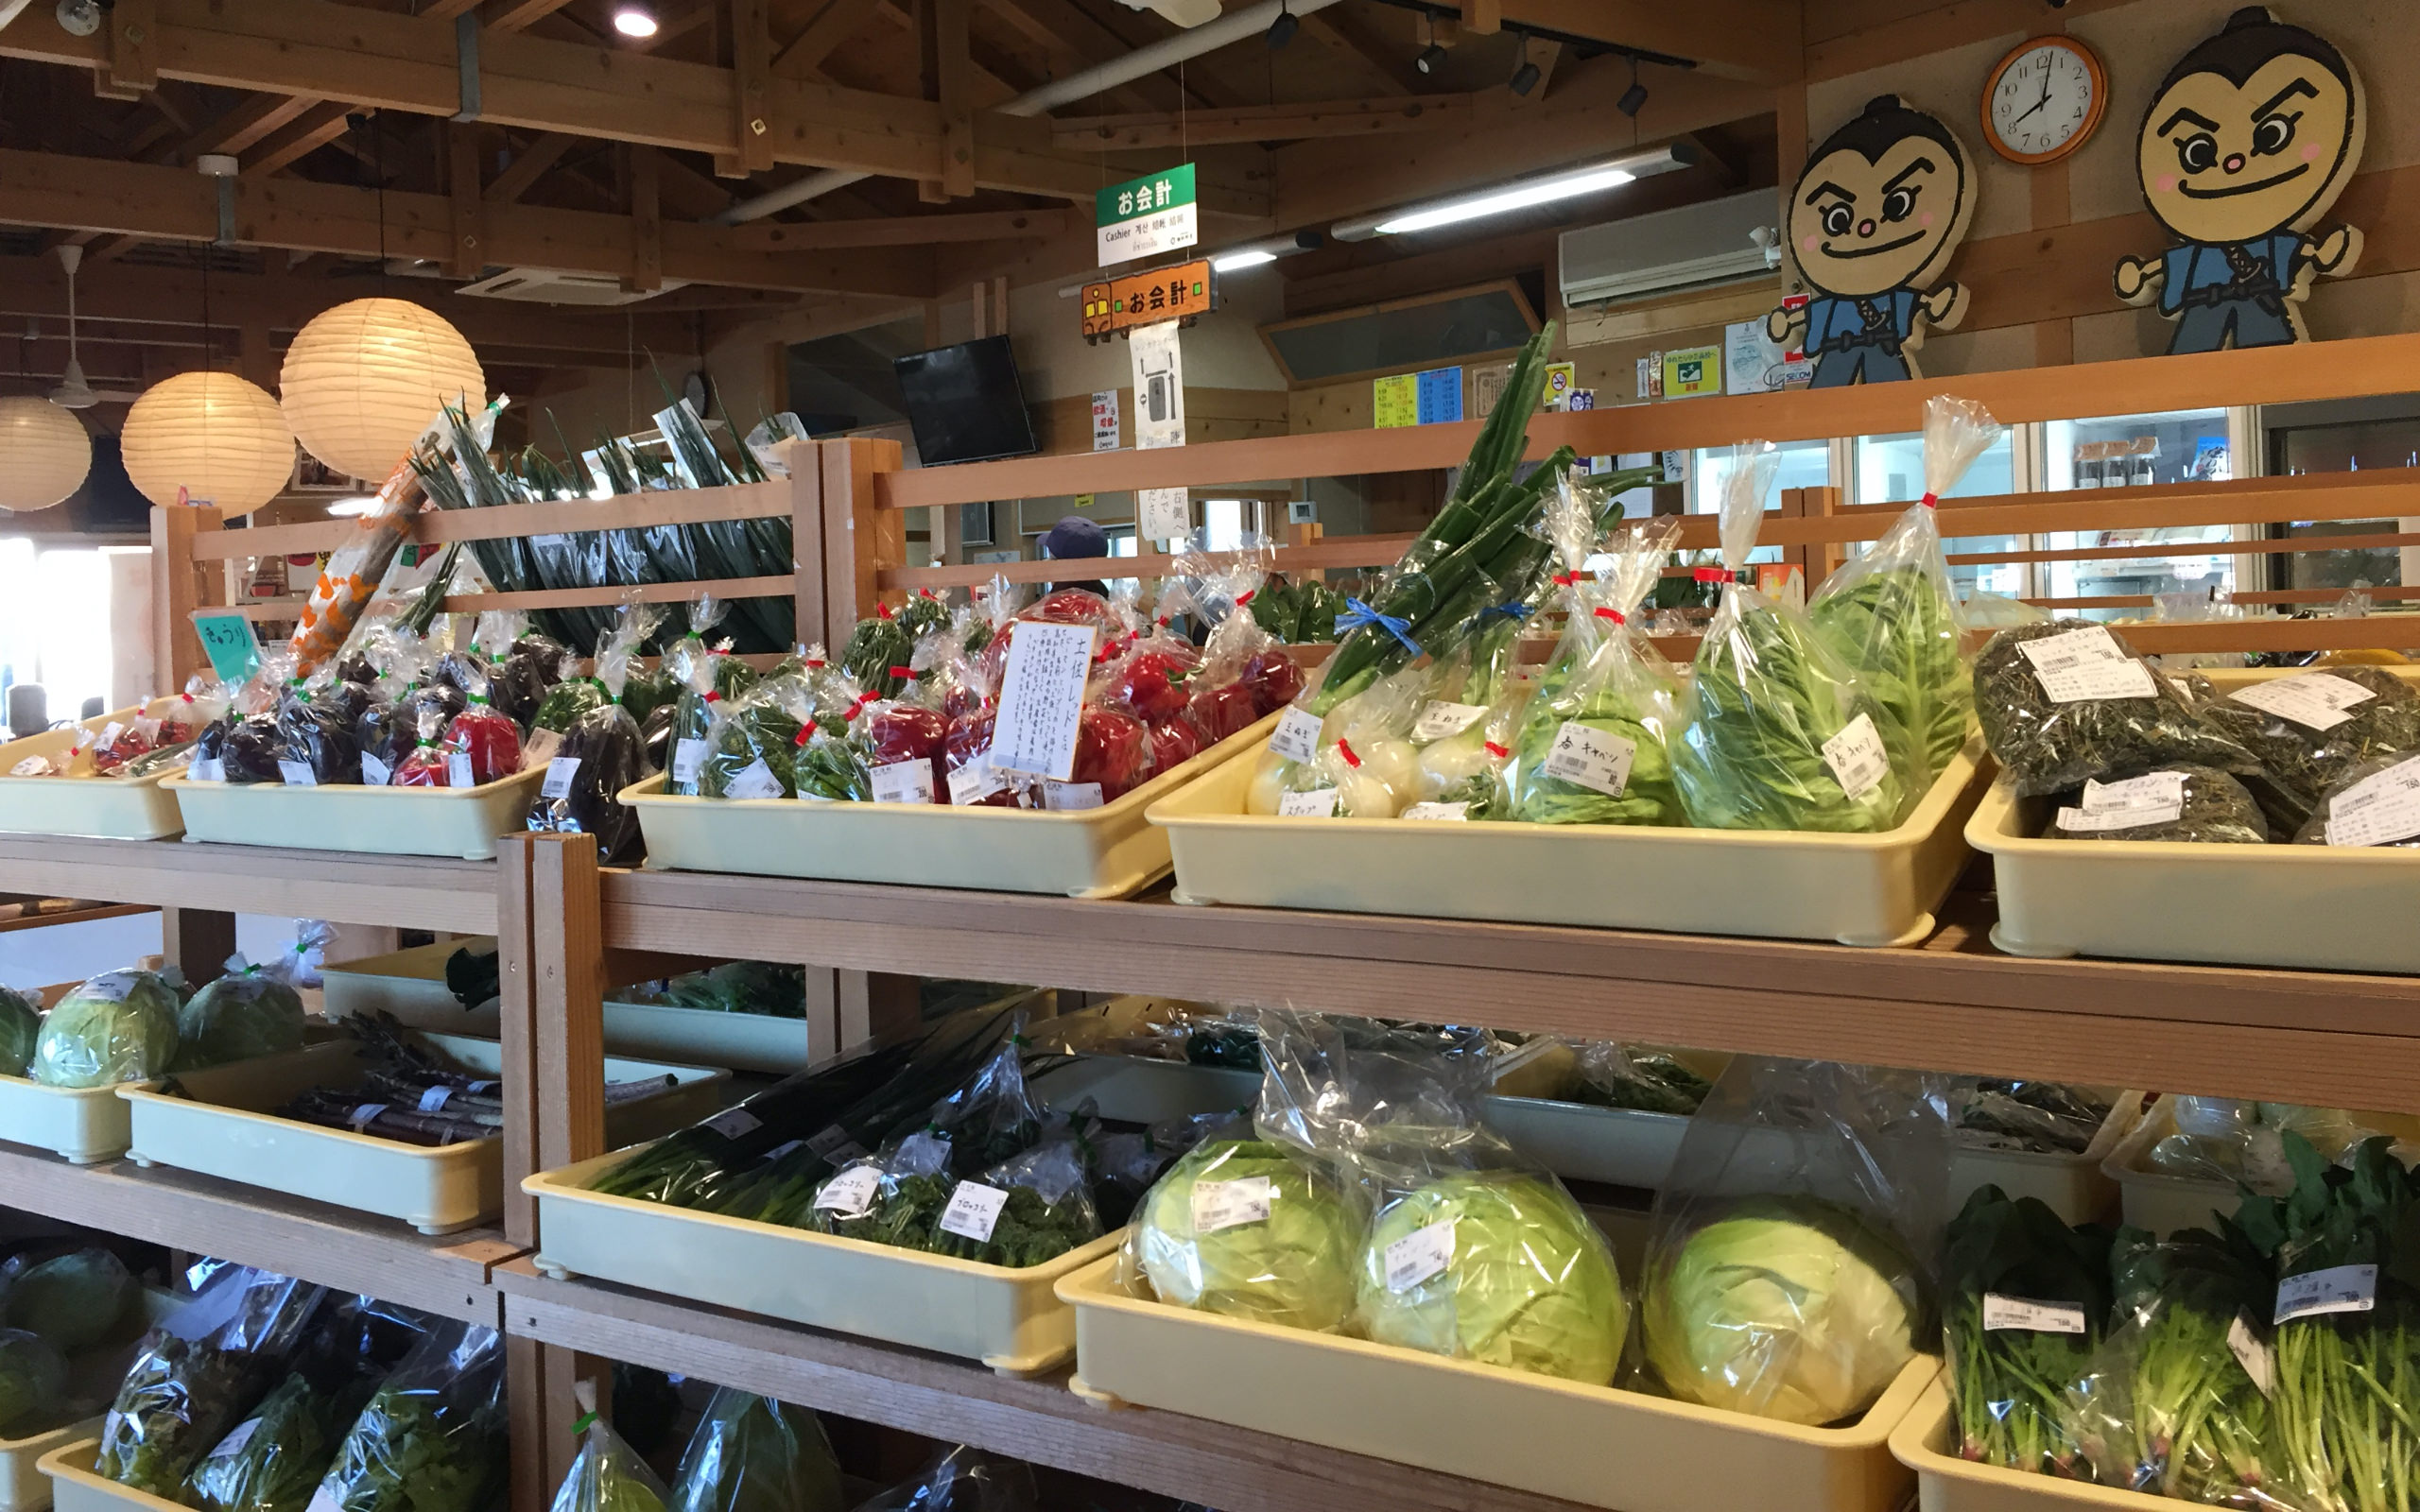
[298,774]
[1297,735]
[2337,1289]
[2024,1315]
[1591,758]
[1416,1257]
[1856,756]
[688,760]
[560,773]
[973,1211]
[851,1193]
[1230,1204]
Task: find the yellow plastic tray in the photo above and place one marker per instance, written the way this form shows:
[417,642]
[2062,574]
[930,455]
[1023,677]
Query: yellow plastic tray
[1105,852]
[392,821]
[93,1380]
[74,1487]
[1860,889]
[82,1126]
[2329,908]
[1593,1445]
[224,1128]
[112,808]
[1946,1482]
[1012,1320]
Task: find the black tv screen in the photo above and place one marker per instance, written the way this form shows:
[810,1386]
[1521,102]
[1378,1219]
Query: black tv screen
[965,403]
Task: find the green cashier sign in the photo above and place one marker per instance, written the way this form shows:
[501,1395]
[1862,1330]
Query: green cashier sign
[1145,216]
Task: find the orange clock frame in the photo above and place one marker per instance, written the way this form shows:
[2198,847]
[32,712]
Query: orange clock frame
[2093,70]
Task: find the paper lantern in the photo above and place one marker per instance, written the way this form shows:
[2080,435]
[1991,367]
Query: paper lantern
[43,454]
[363,380]
[212,434]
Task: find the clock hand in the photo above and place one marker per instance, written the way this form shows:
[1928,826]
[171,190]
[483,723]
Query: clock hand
[2044,100]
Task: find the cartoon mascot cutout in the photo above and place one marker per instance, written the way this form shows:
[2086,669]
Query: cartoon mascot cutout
[2248,143]
[1872,221]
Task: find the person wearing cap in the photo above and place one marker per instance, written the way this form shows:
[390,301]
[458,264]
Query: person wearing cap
[1073,539]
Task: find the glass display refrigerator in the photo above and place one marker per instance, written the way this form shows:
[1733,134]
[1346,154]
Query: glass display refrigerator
[2109,574]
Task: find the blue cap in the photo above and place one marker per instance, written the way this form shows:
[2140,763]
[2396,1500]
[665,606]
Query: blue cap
[1074,537]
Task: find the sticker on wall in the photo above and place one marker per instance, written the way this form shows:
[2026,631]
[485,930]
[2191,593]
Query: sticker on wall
[2245,147]
[1691,371]
[1873,219]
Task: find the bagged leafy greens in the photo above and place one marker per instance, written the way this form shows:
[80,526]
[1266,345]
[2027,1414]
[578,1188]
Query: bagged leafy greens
[704,675]
[963,1480]
[20,1028]
[1781,735]
[2068,701]
[1028,1210]
[272,1460]
[2025,1300]
[2046,1117]
[33,1381]
[72,1301]
[1651,1081]
[2375,803]
[2177,801]
[432,1439]
[252,1011]
[1890,615]
[751,1453]
[119,1026]
[200,1374]
[606,1474]
[2311,729]
[753,743]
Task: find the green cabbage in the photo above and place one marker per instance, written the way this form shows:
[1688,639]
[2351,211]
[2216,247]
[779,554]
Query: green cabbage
[33,1380]
[751,1453]
[1790,1309]
[1531,1284]
[1294,1267]
[1897,627]
[20,1026]
[75,1302]
[119,1026]
[239,1016]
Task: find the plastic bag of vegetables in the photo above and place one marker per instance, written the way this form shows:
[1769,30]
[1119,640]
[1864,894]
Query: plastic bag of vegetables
[705,674]
[963,1480]
[1595,744]
[1890,615]
[2175,802]
[2311,729]
[2024,1299]
[1469,1252]
[1781,735]
[201,1373]
[2369,805]
[33,1383]
[2068,701]
[1781,1278]
[272,1460]
[119,1026]
[606,1474]
[1364,767]
[751,1453]
[75,1302]
[1248,1228]
[20,1030]
[432,1439]
[252,1011]
[602,753]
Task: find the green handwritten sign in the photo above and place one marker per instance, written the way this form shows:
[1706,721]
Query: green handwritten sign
[228,638]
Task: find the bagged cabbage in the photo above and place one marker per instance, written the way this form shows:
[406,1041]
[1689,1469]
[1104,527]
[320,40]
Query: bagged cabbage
[606,1474]
[20,1028]
[33,1383]
[1890,615]
[2025,1300]
[72,1301]
[119,1026]
[1247,1229]
[2375,803]
[963,1480]
[200,1374]
[2311,729]
[1593,745]
[252,1011]
[2179,801]
[432,1439]
[751,1453]
[1781,735]
[2068,701]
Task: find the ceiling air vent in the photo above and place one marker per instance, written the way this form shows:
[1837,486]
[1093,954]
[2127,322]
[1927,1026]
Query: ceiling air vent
[1691,248]
[538,285]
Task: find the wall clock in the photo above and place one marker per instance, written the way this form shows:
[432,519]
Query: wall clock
[2044,100]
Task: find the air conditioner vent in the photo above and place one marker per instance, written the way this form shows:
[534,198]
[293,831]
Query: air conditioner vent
[538,285]
[1694,247]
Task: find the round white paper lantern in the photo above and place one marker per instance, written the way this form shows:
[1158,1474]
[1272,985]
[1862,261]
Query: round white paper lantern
[43,454]
[363,380]
[212,434]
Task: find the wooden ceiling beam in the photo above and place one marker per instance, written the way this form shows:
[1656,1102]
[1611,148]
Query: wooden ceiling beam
[1265,123]
[904,231]
[527,163]
[835,24]
[1387,68]
[1757,41]
[519,15]
[316,127]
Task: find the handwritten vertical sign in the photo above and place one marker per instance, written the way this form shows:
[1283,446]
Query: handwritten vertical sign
[228,639]
[1041,699]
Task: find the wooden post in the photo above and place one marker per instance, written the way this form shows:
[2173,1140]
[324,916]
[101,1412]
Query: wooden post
[133,65]
[860,541]
[517,990]
[949,79]
[646,224]
[567,970]
[528,1421]
[181,586]
[806,462]
[462,193]
[751,65]
[196,941]
[876,1005]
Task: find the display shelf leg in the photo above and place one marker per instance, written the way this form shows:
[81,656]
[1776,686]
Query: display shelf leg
[525,1418]
[517,1028]
[878,1005]
[196,941]
[567,971]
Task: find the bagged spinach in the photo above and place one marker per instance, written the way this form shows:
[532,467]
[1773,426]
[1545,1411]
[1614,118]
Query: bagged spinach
[2180,802]
[1651,1081]
[432,1439]
[2311,728]
[753,743]
[2026,1301]
[705,674]
[751,1453]
[200,1374]
[2375,803]
[1781,735]
[1889,613]
[2069,702]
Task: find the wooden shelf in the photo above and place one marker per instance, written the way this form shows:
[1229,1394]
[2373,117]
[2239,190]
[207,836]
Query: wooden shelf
[412,892]
[2336,1039]
[955,1400]
[204,1217]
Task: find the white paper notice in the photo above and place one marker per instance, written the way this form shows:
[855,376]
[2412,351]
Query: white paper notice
[1159,385]
[375,772]
[688,760]
[1856,758]
[457,770]
[2257,1360]
[908,781]
[2377,810]
[2313,700]
[851,1193]
[756,780]
[1440,720]
[1104,419]
[1070,798]
[1297,735]
[2157,798]
[1418,1256]
[1448,812]
[297,774]
[2021,1314]
[2337,1289]
[1163,514]
[975,782]
[974,1208]
[731,1122]
[1042,698]
[1319,803]
[1591,758]
[562,772]
[2086,665]
[1228,1204]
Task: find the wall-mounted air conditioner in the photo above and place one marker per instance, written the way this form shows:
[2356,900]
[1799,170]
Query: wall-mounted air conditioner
[1691,248]
[539,285]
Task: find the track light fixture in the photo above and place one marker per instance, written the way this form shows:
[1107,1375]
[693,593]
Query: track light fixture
[1281,30]
[1633,99]
[1432,57]
[1525,77]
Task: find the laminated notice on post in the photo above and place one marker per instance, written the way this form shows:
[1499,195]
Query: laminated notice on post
[1229,1204]
[974,1208]
[2086,665]
[2337,1289]
[2377,810]
[1418,1256]
[2313,700]
[1297,735]
[1042,698]
[2023,1315]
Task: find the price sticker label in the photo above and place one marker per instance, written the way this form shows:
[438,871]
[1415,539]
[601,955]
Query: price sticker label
[1230,1204]
[206,769]
[2156,798]
[834,1145]
[1442,721]
[1450,813]
[1070,798]
[2337,1289]
[227,640]
[540,747]
[2253,1354]
[31,766]
[733,1123]
[298,774]
[375,772]
[908,781]
[1591,758]
[560,773]
[1319,803]
[1856,756]
[2379,810]
[1416,1257]
[756,780]
[851,1194]
[2087,665]
[975,782]
[2024,1315]
[458,769]
[110,733]
[435,1098]
[234,1443]
[1297,735]
[2313,700]
[1041,699]
[974,1208]
[688,759]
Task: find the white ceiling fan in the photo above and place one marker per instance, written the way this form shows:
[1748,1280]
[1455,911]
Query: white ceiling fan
[73,393]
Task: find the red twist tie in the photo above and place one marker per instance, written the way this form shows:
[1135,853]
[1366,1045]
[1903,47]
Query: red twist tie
[883,609]
[1713,575]
[927,592]
[1245,597]
[1931,499]
[817,665]
[908,673]
[1497,751]
[1613,614]
[713,697]
[1162,621]
[1350,760]
[805,731]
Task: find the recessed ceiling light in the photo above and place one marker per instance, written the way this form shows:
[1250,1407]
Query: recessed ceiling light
[632,22]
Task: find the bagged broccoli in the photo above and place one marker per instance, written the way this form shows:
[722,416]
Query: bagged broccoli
[72,1301]
[20,1028]
[751,1453]
[1889,614]
[606,1474]
[33,1383]
[1593,747]
[602,753]
[2179,800]
[200,1374]
[2375,803]
[119,1026]
[2065,702]
[252,1011]
[1781,735]
[433,1438]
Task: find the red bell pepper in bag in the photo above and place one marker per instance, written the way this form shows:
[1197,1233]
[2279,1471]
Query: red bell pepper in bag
[490,739]
[1174,742]
[1114,749]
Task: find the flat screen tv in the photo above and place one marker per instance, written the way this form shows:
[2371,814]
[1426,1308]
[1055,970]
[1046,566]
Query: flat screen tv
[965,403]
